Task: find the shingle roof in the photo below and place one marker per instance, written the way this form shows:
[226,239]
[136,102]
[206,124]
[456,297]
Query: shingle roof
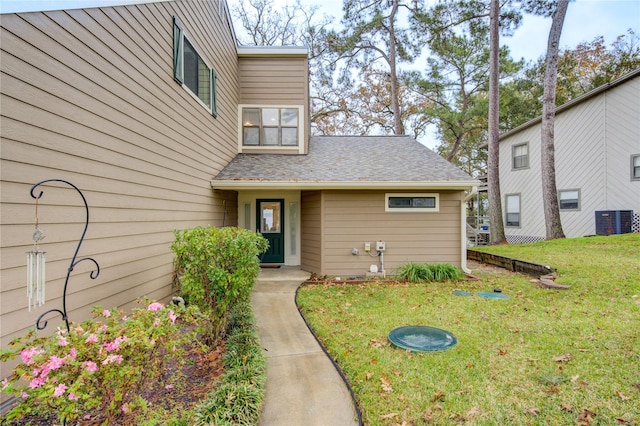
[347,159]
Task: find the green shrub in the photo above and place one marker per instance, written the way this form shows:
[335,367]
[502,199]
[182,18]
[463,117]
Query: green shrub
[216,268]
[419,272]
[239,397]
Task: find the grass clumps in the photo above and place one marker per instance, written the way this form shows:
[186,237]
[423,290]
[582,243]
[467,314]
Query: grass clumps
[421,272]
[239,397]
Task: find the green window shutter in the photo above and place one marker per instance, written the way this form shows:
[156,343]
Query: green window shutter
[214,89]
[178,36]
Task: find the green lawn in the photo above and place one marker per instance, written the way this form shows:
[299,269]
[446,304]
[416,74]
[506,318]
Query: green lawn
[543,357]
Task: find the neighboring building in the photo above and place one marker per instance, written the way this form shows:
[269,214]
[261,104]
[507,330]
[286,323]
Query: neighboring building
[597,160]
[164,123]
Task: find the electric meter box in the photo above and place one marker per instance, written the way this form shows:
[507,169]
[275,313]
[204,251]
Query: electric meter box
[381,246]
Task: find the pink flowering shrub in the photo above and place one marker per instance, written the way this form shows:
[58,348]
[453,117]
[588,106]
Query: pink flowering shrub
[98,370]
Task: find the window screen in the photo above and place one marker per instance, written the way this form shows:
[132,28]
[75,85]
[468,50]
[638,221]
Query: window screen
[569,199]
[521,156]
[513,210]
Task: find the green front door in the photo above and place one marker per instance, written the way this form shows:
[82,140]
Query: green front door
[271,225]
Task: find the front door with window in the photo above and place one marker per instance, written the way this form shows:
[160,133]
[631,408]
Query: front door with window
[271,225]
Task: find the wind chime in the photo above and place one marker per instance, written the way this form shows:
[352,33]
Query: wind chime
[36,268]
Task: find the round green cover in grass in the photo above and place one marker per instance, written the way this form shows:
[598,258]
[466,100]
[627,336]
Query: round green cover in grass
[462,293]
[493,295]
[419,338]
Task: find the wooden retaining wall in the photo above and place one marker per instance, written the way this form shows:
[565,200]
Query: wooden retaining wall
[510,264]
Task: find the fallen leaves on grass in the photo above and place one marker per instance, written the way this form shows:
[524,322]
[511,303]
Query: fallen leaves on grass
[552,390]
[438,396]
[378,343]
[389,416]
[475,411]
[622,397]
[562,358]
[586,417]
[532,411]
[386,385]
[567,407]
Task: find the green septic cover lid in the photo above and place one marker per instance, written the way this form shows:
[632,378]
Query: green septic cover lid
[461,293]
[493,295]
[421,338]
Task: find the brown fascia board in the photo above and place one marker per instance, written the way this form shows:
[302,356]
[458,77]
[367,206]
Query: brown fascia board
[572,103]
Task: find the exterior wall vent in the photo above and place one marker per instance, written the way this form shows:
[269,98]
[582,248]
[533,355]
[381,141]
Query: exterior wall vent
[610,222]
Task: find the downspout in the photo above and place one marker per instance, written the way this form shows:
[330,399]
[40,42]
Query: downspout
[463,229]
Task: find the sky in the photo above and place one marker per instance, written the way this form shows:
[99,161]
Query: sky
[585,20]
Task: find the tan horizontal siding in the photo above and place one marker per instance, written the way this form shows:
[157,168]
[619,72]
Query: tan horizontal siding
[88,96]
[311,231]
[352,218]
[273,81]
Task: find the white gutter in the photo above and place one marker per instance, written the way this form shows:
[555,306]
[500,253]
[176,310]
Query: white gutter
[266,51]
[463,230]
[238,185]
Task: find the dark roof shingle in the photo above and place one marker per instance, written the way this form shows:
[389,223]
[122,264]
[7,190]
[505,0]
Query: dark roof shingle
[347,159]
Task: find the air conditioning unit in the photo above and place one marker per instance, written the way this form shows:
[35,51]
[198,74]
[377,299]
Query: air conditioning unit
[610,222]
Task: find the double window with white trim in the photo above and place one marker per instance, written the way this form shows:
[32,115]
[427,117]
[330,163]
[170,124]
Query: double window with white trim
[270,126]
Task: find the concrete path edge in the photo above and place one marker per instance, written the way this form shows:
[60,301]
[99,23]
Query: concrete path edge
[356,406]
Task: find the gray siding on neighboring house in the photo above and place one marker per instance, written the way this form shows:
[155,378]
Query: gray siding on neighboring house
[622,126]
[351,218]
[88,96]
[311,230]
[594,139]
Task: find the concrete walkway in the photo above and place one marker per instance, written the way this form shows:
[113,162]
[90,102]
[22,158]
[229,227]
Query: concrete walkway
[303,386]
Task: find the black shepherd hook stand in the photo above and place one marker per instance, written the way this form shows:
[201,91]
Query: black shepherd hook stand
[74,261]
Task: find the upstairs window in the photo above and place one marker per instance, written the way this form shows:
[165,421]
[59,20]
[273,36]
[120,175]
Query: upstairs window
[270,126]
[569,199]
[513,210]
[520,154]
[190,70]
[635,167]
[411,203]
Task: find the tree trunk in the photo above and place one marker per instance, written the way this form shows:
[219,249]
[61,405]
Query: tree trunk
[398,128]
[493,162]
[549,190]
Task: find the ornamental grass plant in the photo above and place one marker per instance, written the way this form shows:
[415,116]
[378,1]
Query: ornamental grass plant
[418,272]
[542,357]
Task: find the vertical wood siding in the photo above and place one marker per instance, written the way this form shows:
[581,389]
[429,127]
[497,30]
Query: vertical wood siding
[88,96]
[311,231]
[594,141]
[351,218]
